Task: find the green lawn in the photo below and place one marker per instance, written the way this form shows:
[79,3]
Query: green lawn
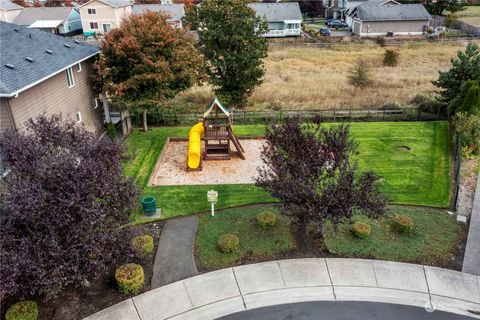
[433,240]
[254,241]
[420,176]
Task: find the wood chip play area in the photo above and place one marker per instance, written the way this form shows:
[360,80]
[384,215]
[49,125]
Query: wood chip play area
[171,167]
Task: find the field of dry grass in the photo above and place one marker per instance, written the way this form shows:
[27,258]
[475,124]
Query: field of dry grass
[317,78]
[470,15]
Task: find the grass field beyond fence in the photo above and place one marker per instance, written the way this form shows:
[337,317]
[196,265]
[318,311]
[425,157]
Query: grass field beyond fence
[418,176]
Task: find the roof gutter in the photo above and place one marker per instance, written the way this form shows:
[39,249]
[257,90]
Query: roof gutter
[15,94]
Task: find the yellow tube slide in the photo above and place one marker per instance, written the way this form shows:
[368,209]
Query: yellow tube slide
[195,145]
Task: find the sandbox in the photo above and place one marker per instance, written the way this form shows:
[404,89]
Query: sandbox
[171,168]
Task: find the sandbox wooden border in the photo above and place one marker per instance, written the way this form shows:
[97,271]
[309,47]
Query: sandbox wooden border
[173,139]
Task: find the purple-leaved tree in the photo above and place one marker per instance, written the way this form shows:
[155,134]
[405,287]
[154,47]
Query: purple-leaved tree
[309,169]
[62,208]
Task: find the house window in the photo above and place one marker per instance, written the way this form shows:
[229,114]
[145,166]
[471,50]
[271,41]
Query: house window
[78,117]
[107,27]
[70,79]
[93,25]
[79,67]
[92,11]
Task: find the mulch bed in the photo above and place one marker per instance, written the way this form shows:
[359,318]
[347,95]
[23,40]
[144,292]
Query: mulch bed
[78,303]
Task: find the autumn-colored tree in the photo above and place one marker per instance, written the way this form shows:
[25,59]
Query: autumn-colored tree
[146,61]
[53,3]
[20,3]
[37,4]
[311,171]
[67,3]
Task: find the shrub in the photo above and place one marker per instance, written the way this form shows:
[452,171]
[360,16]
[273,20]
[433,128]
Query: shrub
[228,243]
[468,128]
[380,41]
[359,75]
[111,132]
[143,245]
[361,230]
[23,310]
[129,278]
[402,223]
[428,103]
[73,177]
[266,219]
[390,58]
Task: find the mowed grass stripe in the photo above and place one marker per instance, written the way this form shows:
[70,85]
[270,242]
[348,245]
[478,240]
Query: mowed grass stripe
[420,176]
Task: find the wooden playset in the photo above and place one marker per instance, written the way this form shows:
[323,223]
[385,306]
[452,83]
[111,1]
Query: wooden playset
[216,127]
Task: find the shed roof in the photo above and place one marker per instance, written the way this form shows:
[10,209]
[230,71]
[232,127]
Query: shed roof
[278,11]
[30,15]
[175,11]
[25,62]
[375,12]
[8,5]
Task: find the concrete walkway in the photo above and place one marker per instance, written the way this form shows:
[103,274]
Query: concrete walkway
[219,293]
[471,260]
[175,257]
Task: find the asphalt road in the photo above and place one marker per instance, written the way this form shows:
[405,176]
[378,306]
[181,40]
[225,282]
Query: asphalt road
[347,310]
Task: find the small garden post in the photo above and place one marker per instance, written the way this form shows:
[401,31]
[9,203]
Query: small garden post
[212,196]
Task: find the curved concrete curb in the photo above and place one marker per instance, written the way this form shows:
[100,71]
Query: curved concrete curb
[231,290]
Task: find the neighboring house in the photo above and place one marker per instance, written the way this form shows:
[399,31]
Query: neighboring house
[336,9]
[376,18]
[175,12]
[9,11]
[43,73]
[284,18]
[64,21]
[100,16]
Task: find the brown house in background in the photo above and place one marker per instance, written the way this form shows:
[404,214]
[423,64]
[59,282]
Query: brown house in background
[44,73]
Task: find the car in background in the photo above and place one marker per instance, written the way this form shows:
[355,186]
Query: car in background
[325,31]
[337,24]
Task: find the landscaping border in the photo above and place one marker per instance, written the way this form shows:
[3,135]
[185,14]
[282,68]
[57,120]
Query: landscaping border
[471,260]
[219,293]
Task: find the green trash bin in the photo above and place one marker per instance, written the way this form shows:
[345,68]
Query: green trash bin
[149,204]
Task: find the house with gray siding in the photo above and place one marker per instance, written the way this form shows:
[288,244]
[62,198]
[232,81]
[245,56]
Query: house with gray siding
[43,73]
[59,20]
[9,10]
[284,18]
[175,12]
[376,18]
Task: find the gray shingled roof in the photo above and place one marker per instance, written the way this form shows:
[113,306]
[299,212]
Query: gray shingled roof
[8,5]
[30,15]
[278,11]
[17,43]
[117,3]
[375,12]
[175,11]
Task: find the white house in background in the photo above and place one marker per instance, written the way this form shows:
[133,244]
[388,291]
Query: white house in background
[9,11]
[175,12]
[284,18]
[375,18]
[59,20]
[100,16]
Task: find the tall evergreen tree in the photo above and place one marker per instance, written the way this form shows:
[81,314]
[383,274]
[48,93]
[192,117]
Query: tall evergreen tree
[231,42]
[467,101]
[465,67]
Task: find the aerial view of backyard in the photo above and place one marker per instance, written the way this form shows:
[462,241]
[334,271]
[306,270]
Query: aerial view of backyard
[233,159]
